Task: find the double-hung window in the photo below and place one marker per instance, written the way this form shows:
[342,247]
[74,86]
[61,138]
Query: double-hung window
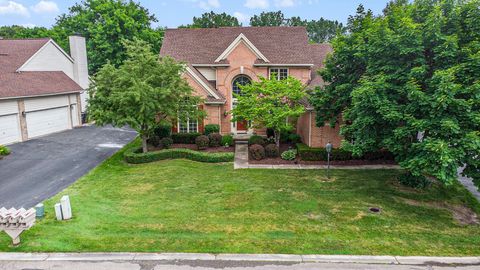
[278,73]
[189,126]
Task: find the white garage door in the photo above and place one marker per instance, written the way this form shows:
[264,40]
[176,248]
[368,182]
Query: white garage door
[9,124]
[44,122]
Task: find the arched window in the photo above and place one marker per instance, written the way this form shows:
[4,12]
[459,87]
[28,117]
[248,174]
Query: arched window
[240,80]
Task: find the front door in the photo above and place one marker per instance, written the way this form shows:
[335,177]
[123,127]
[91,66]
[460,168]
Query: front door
[242,126]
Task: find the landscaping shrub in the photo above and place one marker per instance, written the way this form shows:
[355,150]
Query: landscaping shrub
[417,182]
[285,136]
[320,154]
[271,150]
[289,154]
[202,142]
[255,139]
[4,151]
[166,142]
[215,139]
[185,138]
[257,152]
[269,140]
[227,140]
[154,140]
[135,156]
[211,128]
[163,130]
[294,138]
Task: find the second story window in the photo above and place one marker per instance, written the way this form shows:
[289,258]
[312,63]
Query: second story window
[278,73]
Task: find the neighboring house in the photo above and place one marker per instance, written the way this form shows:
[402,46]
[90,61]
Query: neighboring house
[219,59]
[42,88]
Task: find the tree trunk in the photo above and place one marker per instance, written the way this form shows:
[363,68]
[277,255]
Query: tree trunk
[277,137]
[144,143]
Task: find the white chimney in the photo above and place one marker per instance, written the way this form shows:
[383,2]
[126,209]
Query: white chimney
[78,51]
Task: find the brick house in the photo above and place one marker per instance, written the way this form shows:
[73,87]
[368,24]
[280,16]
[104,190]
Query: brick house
[219,59]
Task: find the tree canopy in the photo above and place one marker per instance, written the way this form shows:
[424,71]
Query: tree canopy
[408,81]
[269,103]
[142,91]
[213,20]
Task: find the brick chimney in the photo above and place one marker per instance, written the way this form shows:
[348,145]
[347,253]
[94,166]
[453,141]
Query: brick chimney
[78,51]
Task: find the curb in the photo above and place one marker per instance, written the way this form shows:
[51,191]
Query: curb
[385,260]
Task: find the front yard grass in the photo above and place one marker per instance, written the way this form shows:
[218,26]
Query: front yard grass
[186,206]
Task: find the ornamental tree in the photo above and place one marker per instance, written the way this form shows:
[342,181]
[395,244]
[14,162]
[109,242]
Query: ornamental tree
[408,81]
[141,92]
[269,103]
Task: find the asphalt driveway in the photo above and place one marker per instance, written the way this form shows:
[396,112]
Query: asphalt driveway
[38,169]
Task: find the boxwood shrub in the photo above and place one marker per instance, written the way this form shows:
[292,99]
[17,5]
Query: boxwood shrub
[134,155]
[320,154]
[185,138]
[212,128]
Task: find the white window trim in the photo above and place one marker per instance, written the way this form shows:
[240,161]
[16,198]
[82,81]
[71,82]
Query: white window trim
[188,126]
[278,74]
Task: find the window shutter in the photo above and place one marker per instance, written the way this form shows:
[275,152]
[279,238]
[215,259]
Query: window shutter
[201,125]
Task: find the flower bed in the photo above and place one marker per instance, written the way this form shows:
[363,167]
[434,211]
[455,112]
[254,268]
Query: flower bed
[318,156]
[134,155]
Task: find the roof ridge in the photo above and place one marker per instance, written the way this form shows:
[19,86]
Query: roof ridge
[45,38]
[231,27]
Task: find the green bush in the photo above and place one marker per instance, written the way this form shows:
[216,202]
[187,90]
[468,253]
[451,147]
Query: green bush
[4,151]
[134,155]
[320,154]
[227,140]
[163,130]
[202,142]
[417,182]
[271,150]
[154,140]
[212,128]
[166,142]
[257,152]
[185,138]
[285,136]
[255,139]
[294,138]
[215,139]
[289,154]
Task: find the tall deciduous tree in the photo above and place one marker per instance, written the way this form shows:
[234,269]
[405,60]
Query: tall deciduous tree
[105,23]
[269,103]
[408,81]
[213,20]
[141,91]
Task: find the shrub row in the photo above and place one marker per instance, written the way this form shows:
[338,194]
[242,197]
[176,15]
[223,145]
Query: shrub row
[320,154]
[134,155]
[185,138]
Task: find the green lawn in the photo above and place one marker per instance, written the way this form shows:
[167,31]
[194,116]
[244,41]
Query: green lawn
[185,206]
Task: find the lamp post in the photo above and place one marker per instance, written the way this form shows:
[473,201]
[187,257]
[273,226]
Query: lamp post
[329,148]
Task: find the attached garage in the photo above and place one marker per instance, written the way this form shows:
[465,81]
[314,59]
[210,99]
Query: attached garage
[9,122]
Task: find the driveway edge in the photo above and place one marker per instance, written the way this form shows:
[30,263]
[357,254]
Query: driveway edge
[398,260]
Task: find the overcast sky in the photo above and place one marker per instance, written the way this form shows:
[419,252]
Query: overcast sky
[173,13]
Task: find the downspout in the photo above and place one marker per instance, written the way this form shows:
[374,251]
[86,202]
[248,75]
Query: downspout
[310,131]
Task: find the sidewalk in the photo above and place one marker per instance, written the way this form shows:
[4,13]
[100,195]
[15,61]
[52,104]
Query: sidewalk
[238,261]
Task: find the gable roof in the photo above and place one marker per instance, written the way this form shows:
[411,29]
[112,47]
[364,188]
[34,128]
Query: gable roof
[14,53]
[318,52]
[280,45]
[241,39]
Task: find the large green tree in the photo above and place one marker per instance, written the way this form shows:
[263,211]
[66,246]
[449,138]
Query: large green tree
[142,91]
[105,23]
[213,20]
[408,81]
[319,31]
[269,103]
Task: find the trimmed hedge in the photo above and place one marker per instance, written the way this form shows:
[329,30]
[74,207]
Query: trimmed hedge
[212,128]
[135,156]
[320,154]
[185,138]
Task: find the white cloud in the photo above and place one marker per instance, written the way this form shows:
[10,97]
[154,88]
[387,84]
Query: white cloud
[285,3]
[13,8]
[45,6]
[257,4]
[209,4]
[241,17]
[29,25]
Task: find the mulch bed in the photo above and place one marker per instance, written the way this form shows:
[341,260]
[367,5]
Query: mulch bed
[285,147]
[221,149]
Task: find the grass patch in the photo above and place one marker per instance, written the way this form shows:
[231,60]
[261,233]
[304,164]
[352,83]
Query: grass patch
[186,206]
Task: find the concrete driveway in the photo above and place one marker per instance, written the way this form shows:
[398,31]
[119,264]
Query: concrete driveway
[38,169]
